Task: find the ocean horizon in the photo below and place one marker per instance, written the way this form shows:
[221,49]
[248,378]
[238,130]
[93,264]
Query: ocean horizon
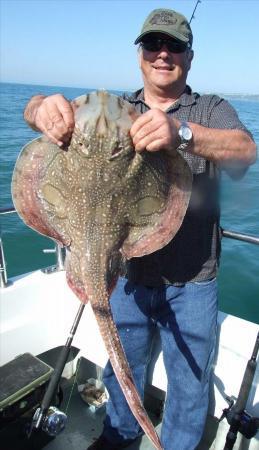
[227,95]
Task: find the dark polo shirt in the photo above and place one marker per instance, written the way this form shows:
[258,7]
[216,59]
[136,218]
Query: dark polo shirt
[193,254]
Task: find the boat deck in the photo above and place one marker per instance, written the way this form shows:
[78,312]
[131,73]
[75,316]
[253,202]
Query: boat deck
[83,427]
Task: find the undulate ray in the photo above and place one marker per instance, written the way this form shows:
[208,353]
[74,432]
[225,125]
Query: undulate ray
[105,202]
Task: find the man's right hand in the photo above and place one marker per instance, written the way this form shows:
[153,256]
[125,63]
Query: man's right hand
[53,116]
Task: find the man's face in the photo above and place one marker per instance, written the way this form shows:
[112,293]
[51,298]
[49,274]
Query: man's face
[164,69]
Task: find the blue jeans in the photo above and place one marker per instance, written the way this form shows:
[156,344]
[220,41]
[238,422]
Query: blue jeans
[186,318]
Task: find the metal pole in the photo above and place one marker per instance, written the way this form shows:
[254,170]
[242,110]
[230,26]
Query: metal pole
[7,210]
[240,236]
[61,256]
[3,273]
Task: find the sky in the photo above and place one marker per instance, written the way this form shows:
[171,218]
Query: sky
[89,43]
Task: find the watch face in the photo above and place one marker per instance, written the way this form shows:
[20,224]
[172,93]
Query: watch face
[186,133]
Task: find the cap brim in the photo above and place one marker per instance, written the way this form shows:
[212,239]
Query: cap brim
[176,35]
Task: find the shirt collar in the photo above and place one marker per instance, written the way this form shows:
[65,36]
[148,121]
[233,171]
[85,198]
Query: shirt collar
[187,98]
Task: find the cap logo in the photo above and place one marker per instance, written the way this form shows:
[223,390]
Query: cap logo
[163,18]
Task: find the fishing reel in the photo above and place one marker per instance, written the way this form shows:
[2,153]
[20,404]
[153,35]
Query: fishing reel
[52,422]
[243,422]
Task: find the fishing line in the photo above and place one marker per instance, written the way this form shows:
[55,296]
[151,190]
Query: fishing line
[73,385]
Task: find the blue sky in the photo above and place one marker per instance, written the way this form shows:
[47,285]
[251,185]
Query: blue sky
[89,43]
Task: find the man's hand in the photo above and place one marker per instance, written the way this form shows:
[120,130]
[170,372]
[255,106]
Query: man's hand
[53,116]
[155,130]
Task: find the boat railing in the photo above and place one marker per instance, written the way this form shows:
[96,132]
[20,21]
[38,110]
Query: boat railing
[60,252]
[57,250]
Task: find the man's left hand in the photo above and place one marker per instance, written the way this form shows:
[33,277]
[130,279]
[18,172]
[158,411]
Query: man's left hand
[155,130]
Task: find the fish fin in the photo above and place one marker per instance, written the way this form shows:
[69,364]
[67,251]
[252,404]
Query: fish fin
[31,194]
[159,209]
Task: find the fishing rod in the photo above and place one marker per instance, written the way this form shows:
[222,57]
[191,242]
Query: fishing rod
[193,17]
[49,418]
[238,418]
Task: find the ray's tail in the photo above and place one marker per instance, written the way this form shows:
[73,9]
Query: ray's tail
[121,367]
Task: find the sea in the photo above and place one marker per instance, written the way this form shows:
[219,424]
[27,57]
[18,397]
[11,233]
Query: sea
[239,267]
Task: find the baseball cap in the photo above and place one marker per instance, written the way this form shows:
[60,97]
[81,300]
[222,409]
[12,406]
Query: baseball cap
[168,22]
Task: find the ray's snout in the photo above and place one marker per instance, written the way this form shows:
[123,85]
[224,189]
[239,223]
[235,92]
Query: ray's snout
[103,113]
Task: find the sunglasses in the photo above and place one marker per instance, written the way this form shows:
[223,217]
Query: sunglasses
[154,44]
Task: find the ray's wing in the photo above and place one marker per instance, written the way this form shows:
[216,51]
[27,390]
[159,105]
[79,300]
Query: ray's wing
[160,203]
[37,199]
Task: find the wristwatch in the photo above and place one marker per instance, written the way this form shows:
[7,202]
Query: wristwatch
[185,134]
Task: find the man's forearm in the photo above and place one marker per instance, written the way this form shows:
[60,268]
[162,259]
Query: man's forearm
[226,148]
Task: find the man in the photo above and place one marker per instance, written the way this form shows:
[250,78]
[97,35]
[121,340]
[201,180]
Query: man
[173,290]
